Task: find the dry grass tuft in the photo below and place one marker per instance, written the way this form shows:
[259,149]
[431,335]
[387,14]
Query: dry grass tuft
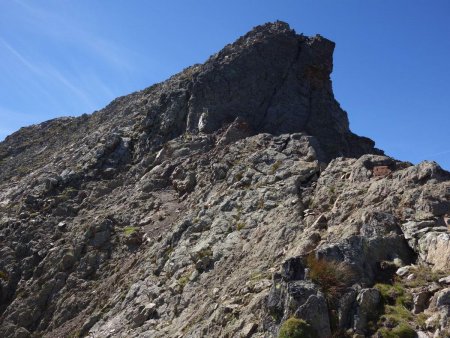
[332,277]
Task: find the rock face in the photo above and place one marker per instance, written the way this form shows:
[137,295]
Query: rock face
[210,205]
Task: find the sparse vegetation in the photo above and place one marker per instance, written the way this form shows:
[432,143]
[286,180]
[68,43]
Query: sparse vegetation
[261,203]
[4,275]
[296,328]
[275,167]
[168,252]
[68,193]
[396,314]
[423,275]
[257,276]
[238,176]
[206,252]
[394,294]
[396,317]
[184,279]
[332,189]
[74,334]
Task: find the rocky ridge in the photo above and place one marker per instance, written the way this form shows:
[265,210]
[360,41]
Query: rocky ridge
[209,204]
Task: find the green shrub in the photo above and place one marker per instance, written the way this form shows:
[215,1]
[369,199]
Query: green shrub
[394,294]
[296,328]
[397,314]
[183,280]
[240,226]
[128,231]
[402,330]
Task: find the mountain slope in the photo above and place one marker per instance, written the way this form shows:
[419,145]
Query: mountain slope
[200,206]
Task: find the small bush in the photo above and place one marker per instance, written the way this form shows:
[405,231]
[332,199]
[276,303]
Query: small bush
[240,226]
[275,167]
[128,231]
[332,277]
[296,328]
[183,280]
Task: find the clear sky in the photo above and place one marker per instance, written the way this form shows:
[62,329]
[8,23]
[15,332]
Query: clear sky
[391,65]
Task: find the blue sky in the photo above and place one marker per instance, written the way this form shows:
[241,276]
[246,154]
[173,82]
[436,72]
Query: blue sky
[391,65]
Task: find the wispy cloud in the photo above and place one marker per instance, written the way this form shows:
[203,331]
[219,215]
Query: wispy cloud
[53,72]
[46,70]
[20,57]
[64,27]
[55,62]
[15,118]
[437,154]
[59,24]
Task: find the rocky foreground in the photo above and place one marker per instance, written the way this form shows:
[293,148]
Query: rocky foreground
[231,200]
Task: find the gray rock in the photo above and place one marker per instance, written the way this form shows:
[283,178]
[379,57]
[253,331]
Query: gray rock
[421,334]
[144,312]
[315,312]
[368,306]
[445,280]
[443,298]
[346,309]
[237,130]
[68,260]
[403,271]
[420,300]
[249,330]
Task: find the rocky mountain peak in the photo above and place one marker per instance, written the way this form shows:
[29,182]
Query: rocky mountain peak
[273,79]
[278,82]
[231,200]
